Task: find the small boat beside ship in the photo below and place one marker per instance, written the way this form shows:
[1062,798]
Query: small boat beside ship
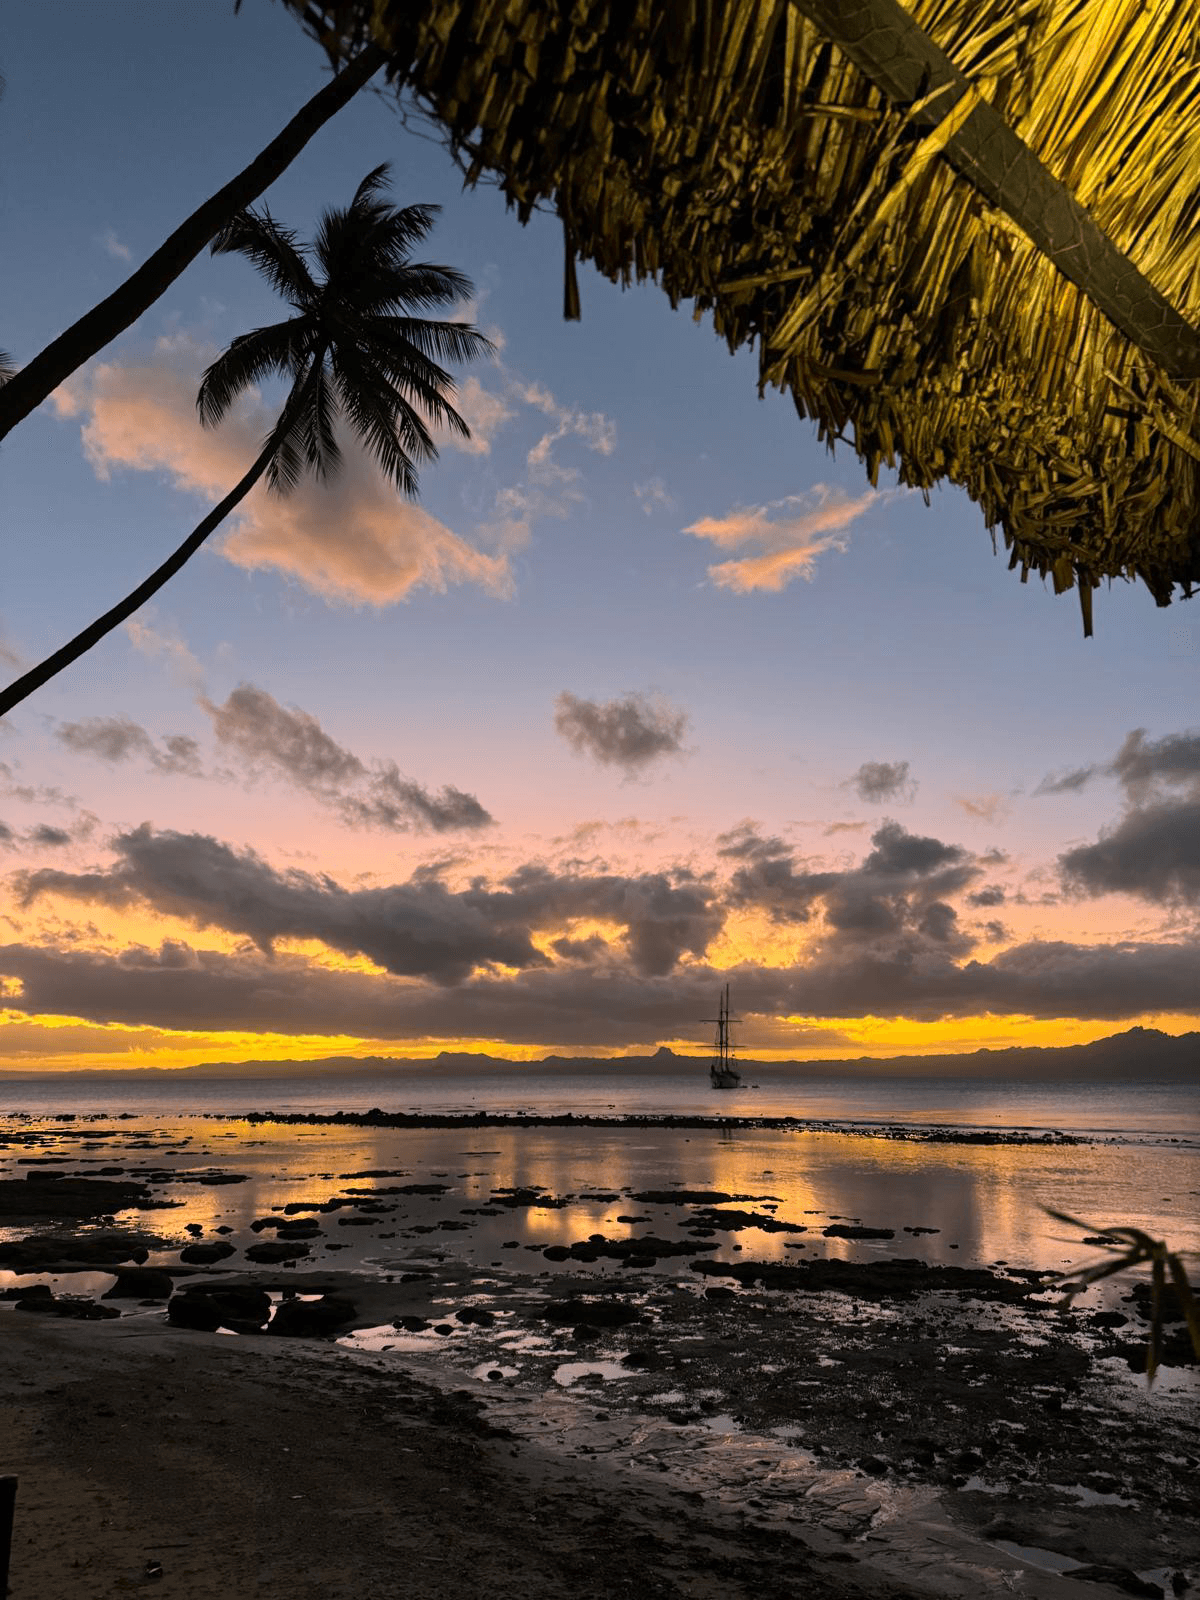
[723,1072]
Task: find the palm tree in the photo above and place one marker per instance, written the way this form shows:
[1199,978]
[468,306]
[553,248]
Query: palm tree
[356,347]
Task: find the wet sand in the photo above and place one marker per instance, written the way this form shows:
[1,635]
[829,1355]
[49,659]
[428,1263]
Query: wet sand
[702,1399]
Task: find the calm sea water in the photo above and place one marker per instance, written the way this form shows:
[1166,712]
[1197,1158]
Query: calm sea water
[1140,1164]
[1111,1111]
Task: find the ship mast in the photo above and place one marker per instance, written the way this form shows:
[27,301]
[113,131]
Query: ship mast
[723,1045]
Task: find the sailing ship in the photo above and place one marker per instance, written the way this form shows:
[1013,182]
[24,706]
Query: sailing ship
[722,1072]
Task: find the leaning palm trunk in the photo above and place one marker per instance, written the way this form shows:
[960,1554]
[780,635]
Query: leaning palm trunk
[97,327]
[124,609]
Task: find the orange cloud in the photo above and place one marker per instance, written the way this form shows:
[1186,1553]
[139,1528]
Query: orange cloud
[352,540]
[792,533]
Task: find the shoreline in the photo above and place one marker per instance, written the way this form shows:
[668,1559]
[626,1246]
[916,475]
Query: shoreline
[809,1408]
[917,1133]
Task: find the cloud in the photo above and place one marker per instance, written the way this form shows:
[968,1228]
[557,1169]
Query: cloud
[1153,851]
[289,743]
[630,732]
[653,494]
[158,644]
[109,241]
[396,804]
[1067,782]
[1143,763]
[418,928]
[9,657]
[789,544]
[351,540]
[992,894]
[47,834]
[116,739]
[292,743]
[879,781]
[593,428]
[991,808]
[484,413]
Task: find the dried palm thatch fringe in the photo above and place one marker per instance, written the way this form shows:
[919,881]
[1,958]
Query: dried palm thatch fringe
[870,231]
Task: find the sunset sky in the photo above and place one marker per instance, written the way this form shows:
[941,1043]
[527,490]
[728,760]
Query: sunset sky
[647,693]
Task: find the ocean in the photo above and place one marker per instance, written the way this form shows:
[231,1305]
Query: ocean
[881,1152]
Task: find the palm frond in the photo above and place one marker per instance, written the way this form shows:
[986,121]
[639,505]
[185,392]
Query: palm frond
[438,341]
[7,366]
[322,453]
[1141,1249]
[275,351]
[383,419]
[273,250]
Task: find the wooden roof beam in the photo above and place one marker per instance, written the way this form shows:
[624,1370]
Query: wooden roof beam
[884,41]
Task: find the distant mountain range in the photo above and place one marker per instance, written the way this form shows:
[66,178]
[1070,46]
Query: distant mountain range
[1144,1054]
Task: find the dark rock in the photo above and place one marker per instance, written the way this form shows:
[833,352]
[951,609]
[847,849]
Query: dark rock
[684,1197]
[140,1283]
[239,1304]
[592,1313]
[1119,1577]
[49,1252]
[75,1310]
[194,1311]
[476,1315]
[718,1291]
[70,1197]
[737,1221]
[35,1291]
[846,1230]
[279,1250]
[411,1324]
[312,1319]
[645,1359]
[204,1255]
[876,1466]
[526,1197]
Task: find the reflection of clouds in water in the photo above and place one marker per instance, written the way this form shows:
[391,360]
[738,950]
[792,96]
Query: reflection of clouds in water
[983,1198]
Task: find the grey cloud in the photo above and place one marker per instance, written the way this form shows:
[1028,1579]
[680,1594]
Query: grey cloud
[6,833]
[572,1004]
[768,878]
[419,928]
[1173,759]
[992,894]
[1139,764]
[291,741]
[397,803]
[46,834]
[589,949]
[899,888]
[630,732]
[293,744]
[1153,852]
[1067,782]
[117,739]
[879,781]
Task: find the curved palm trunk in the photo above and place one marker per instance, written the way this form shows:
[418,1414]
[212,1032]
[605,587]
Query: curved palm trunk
[31,385]
[95,631]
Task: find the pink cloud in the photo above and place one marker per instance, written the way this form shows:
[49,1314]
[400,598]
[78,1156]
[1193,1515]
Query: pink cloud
[791,533]
[352,539]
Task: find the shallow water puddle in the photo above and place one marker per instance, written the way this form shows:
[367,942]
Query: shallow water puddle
[570,1372]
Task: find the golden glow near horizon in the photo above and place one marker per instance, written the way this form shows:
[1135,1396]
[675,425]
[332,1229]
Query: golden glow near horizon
[63,1044]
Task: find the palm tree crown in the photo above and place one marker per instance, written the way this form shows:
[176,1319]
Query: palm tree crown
[355,346]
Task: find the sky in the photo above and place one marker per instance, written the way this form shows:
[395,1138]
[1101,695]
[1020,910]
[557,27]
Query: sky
[648,691]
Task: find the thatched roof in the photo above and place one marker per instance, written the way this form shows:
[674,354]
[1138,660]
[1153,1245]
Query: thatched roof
[965,238]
